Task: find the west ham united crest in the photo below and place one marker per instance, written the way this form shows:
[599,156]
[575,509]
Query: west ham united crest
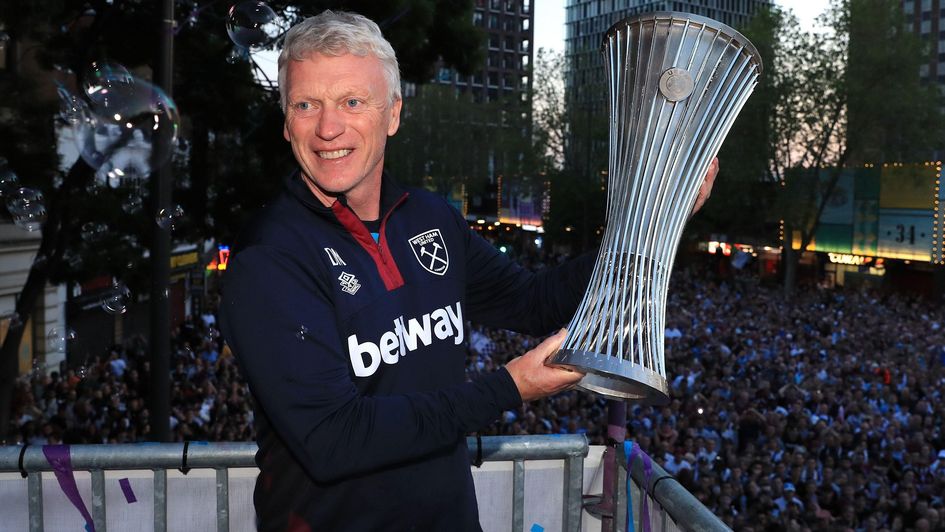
[430,250]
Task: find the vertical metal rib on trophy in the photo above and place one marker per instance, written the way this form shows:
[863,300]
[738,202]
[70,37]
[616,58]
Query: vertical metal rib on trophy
[677,82]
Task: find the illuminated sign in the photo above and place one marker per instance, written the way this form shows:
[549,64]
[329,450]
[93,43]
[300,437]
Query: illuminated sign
[843,258]
[892,211]
[220,261]
[727,248]
[184,259]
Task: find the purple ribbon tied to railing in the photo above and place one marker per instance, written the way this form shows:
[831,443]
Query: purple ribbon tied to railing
[632,451]
[61,462]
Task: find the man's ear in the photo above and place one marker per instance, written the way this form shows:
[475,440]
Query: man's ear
[285,129]
[394,117]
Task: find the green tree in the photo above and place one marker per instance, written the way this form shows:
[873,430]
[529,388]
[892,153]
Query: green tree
[843,97]
[446,139]
[571,153]
[745,189]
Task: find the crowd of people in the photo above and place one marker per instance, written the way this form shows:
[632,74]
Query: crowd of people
[103,399]
[821,413]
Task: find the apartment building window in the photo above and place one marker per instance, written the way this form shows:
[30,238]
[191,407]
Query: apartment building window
[510,6]
[493,42]
[477,18]
[509,42]
[526,23]
[493,79]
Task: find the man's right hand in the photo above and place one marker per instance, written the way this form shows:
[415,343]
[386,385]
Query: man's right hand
[534,379]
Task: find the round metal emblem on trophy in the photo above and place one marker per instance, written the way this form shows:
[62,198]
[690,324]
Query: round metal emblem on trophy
[676,84]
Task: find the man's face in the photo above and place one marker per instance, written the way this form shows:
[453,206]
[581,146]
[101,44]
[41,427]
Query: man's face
[338,118]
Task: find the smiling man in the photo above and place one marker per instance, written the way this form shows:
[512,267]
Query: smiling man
[339,113]
[346,303]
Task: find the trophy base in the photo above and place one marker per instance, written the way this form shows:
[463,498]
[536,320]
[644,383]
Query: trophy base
[613,377]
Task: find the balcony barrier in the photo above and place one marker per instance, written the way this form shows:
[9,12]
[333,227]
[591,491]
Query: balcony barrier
[222,475]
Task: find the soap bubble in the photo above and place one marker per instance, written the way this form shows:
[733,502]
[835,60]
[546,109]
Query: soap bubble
[130,127]
[116,299]
[32,218]
[27,208]
[8,180]
[237,55]
[103,75]
[168,218]
[131,202]
[93,231]
[252,24]
[58,338]
[72,109]
[21,197]
[14,318]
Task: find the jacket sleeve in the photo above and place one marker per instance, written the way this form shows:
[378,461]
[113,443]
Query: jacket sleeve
[280,325]
[500,293]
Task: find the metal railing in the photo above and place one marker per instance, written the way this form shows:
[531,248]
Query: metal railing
[674,508]
[161,457]
[671,506]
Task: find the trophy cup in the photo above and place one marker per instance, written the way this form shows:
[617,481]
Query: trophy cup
[676,83]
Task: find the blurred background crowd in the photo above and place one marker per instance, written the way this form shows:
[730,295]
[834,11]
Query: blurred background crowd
[821,413]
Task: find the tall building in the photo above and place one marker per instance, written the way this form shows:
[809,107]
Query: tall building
[509,29]
[482,120]
[927,19]
[587,20]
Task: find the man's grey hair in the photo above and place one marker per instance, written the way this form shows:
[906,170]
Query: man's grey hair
[338,33]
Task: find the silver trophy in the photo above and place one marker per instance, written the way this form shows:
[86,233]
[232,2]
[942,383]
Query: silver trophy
[677,82]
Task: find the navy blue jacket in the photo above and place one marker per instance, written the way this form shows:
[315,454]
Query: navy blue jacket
[355,354]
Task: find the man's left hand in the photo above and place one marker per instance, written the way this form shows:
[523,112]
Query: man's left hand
[706,189]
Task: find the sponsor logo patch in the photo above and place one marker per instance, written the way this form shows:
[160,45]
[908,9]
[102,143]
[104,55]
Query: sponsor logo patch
[406,335]
[430,250]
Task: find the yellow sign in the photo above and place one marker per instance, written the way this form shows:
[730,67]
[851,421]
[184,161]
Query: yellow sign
[184,259]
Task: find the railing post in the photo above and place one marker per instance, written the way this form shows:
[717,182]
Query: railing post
[98,499]
[573,489]
[518,495]
[223,500]
[160,500]
[34,488]
[621,495]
